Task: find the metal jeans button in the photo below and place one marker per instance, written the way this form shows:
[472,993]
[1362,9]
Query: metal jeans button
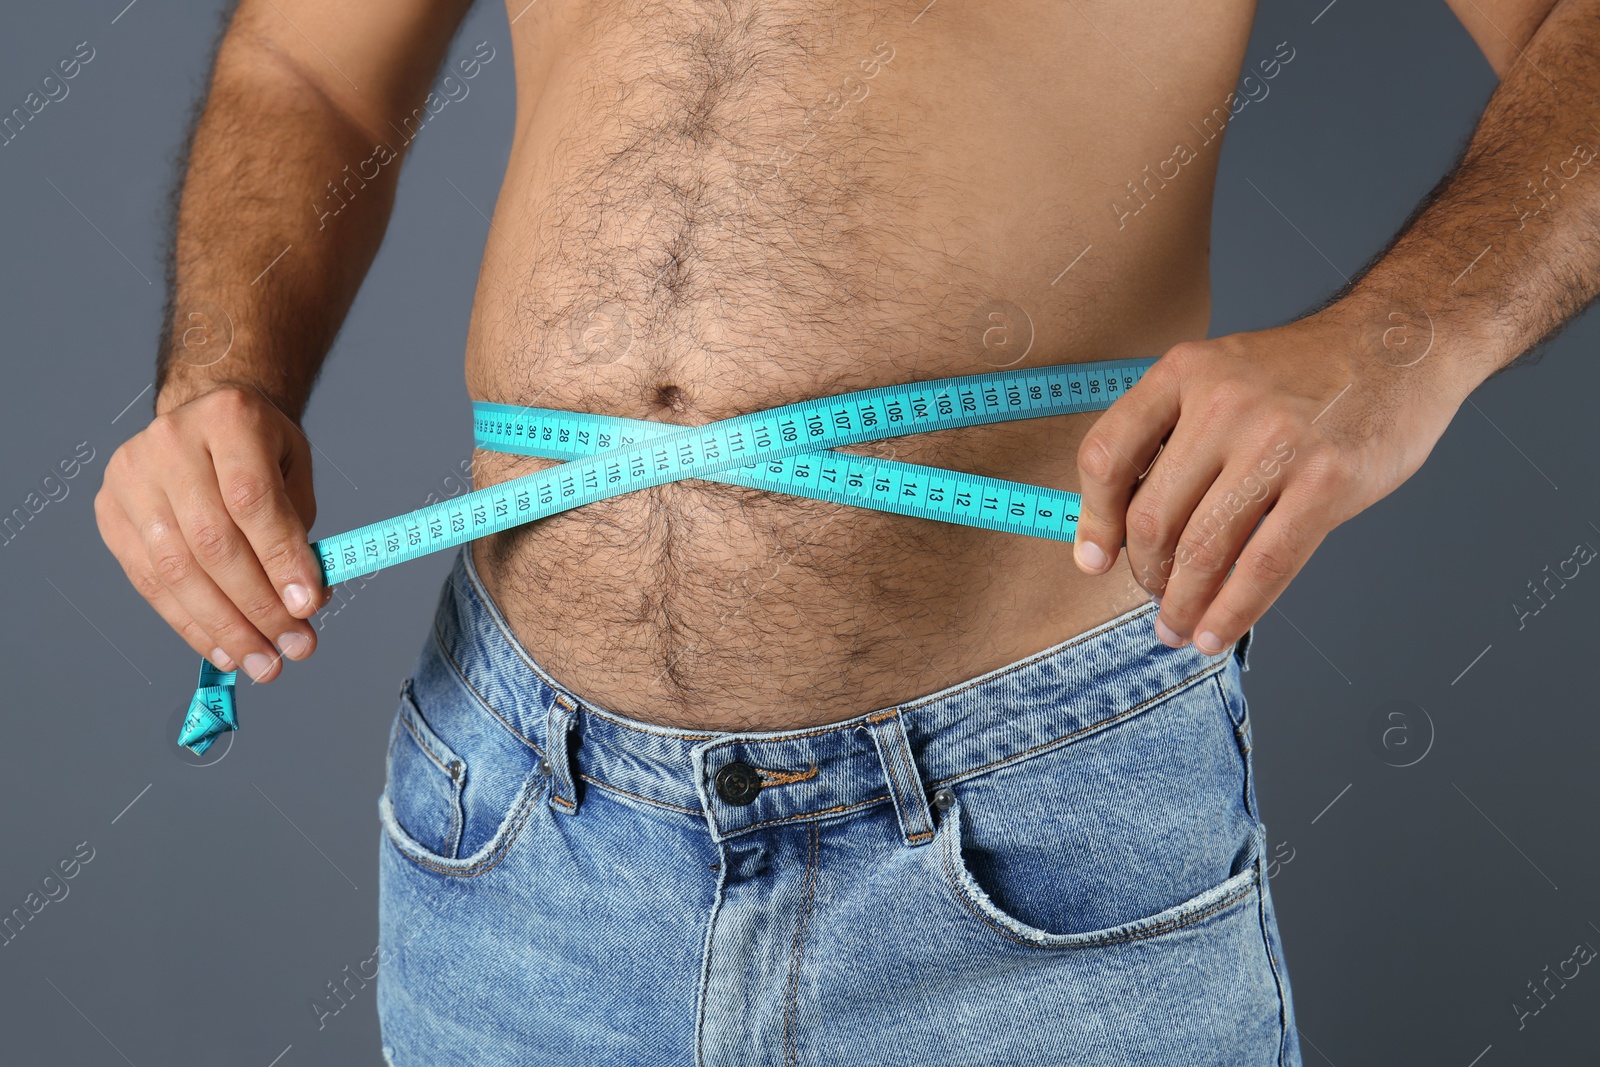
[737,783]
[943,798]
[544,765]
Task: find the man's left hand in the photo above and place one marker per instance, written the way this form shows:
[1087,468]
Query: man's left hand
[1298,428]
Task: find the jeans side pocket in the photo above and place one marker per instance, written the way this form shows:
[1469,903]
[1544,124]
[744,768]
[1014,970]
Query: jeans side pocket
[1121,834]
[423,780]
[1221,899]
[461,787]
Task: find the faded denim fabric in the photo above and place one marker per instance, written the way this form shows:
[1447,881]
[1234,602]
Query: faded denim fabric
[1059,862]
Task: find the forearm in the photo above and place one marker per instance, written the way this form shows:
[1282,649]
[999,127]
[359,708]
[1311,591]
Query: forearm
[262,268]
[1506,249]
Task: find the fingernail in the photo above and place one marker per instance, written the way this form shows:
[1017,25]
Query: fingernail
[256,665]
[294,645]
[1163,631]
[1208,642]
[221,660]
[1090,555]
[296,598]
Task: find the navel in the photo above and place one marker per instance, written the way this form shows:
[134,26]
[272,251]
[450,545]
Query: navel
[671,397]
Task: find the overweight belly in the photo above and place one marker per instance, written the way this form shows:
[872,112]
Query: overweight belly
[706,214]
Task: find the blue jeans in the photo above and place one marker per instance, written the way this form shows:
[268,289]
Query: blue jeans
[1059,862]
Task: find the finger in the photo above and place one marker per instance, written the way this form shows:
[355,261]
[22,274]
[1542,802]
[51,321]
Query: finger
[1213,536]
[1179,479]
[1287,537]
[173,558]
[297,484]
[122,538]
[229,559]
[255,492]
[1114,455]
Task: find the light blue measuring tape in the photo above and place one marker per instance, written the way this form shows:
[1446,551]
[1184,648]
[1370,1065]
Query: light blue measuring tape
[787,449]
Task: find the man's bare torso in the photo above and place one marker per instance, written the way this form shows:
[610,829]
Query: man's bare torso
[716,208]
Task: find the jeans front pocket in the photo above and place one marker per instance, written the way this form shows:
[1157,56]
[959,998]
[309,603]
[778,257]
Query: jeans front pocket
[1237,890]
[460,786]
[423,779]
[1127,833]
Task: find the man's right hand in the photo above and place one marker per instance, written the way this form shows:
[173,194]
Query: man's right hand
[207,510]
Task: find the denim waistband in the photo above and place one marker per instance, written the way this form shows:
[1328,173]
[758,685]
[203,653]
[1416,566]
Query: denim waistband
[890,755]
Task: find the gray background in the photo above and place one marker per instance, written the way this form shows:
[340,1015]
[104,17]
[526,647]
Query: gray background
[1415,908]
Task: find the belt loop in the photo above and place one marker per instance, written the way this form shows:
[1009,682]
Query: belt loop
[1241,651]
[905,783]
[562,721]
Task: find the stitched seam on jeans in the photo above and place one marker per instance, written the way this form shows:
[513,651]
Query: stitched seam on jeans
[1074,735]
[1179,923]
[639,730]
[902,751]
[457,826]
[705,965]
[886,757]
[637,796]
[1013,668]
[423,745]
[1241,736]
[790,1057]
[489,862]
[769,777]
[457,818]
[1272,961]
[813,814]
[558,732]
[1241,727]
[1092,942]
[887,740]
[848,724]
[438,639]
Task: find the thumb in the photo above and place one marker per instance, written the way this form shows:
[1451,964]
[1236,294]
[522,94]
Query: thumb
[1097,541]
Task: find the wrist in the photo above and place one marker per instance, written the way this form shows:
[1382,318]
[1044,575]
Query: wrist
[1430,346]
[205,348]
[178,389]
